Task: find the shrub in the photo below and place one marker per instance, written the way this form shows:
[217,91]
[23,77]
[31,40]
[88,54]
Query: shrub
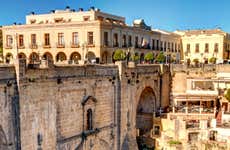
[195,60]
[173,142]
[160,57]
[119,55]
[212,60]
[227,95]
[149,56]
[135,57]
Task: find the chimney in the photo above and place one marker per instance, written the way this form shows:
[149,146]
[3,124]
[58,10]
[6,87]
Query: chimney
[52,11]
[92,8]
[81,9]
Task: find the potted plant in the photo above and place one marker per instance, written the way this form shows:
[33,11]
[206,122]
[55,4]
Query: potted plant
[160,57]
[134,59]
[196,61]
[119,55]
[149,57]
[212,60]
[227,95]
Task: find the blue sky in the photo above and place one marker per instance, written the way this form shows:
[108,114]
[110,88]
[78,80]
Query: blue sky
[164,14]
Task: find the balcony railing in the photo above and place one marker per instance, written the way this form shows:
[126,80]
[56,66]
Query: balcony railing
[91,44]
[33,46]
[45,45]
[8,47]
[60,45]
[74,45]
[21,46]
[106,44]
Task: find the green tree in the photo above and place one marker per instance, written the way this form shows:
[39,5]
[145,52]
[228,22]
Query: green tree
[149,56]
[135,57]
[212,60]
[160,57]
[227,95]
[119,55]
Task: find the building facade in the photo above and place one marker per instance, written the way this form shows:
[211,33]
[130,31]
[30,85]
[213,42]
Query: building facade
[201,45]
[68,36]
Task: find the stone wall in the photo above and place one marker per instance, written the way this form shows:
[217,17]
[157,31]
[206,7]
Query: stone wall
[54,105]
[7,104]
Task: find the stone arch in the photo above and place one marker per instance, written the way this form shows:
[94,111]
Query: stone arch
[61,56]
[34,57]
[145,113]
[3,139]
[9,58]
[90,56]
[48,56]
[75,57]
[22,55]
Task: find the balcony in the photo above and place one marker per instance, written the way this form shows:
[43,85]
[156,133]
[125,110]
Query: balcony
[202,92]
[74,45]
[21,46]
[33,46]
[46,45]
[91,44]
[60,45]
[116,44]
[106,44]
[8,47]
[124,45]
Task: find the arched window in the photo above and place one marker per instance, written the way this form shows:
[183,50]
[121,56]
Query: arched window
[89,119]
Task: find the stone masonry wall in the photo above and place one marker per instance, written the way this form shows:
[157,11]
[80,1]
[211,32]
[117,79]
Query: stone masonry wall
[7,118]
[48,108]
[51,106]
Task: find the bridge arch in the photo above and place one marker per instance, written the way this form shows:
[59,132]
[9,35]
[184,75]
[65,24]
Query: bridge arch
[145,110]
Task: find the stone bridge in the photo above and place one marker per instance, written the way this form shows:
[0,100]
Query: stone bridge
[98,107]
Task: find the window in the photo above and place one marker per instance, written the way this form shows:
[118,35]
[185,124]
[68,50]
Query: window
[169,46]
[216,49]
[21,40]
[172,47]
[75,40]
[130,41]
[9,40]
[161,43]
[106,39]
[142,42]
[136,41]
[115,40]
[206,48]
[60,38]
[89,119]
[165,45]
[86,18]
[157,44]
[47,39]
[197,50]
[90,38]
[157,130]
[213,135]
[153,44]
[175,47]
[188,48]
[33,39]
[124,41]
